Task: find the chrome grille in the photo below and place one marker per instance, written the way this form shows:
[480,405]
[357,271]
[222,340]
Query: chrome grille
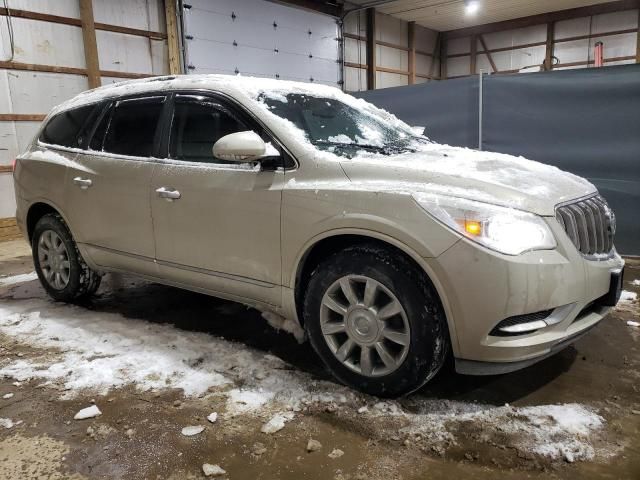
[589,223]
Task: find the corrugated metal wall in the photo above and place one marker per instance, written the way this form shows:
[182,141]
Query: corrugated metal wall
[49,63]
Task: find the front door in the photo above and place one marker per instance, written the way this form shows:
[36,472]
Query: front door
[108,186]
[216,223]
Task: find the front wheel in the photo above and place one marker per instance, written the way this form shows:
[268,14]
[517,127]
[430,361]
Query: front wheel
[61,269]
[376,321]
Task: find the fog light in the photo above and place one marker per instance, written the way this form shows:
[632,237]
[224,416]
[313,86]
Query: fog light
[521,324]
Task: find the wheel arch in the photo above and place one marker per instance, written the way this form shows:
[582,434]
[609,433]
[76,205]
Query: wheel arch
[39,208]
[36,211]
[328,243]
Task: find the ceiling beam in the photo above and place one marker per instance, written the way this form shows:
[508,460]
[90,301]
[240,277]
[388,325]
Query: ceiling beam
[549,44]
[371,48]
[436,54]
[487,53]
[443,56]
[474,54]
[173,43]
[90,43]
[411,34]
[638,40]
[76,22]
[560,15]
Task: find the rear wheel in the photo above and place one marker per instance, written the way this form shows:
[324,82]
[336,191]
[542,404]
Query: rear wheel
[376,321]
[61,269]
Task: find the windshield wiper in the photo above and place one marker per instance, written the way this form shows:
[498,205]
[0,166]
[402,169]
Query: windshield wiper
[352,145]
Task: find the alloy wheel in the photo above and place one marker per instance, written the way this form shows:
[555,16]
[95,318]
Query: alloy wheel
[365,325]
[53,259]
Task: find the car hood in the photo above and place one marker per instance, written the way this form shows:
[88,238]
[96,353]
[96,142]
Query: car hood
[461,172]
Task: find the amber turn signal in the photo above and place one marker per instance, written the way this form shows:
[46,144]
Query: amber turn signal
[473,227]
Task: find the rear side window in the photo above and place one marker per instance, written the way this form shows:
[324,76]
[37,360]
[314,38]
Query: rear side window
[132,127]
[66,128]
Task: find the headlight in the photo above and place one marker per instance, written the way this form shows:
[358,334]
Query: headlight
[505,230]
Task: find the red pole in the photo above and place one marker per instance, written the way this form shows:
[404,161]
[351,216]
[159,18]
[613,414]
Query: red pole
[599,54]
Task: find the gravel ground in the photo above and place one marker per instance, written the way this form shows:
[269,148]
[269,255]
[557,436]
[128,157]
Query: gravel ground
[181,380]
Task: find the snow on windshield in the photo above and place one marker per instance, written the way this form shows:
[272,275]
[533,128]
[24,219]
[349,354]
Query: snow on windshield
[327,122]
[332,125]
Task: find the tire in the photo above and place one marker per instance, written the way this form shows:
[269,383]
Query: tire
[420,323]
[51,238]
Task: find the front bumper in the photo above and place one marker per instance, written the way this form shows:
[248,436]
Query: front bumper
[480,288]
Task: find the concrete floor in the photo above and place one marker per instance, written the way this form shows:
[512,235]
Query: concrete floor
[137,436]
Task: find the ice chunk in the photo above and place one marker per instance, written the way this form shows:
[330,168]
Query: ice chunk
[212,470]
[89,412]
[192,430]
[277,422]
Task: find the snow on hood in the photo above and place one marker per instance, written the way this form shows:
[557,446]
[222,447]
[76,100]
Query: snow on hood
[461,172]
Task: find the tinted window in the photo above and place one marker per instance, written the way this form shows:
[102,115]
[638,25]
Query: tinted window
[132,127]
[65,128]
[196,126]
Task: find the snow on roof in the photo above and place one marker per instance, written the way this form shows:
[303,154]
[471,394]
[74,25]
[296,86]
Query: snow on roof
[238,86]
[241,85]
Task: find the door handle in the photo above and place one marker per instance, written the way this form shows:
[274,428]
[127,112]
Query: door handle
[83,183]
[170,194]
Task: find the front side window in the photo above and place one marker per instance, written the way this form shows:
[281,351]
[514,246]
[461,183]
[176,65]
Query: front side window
[66,128]
[196,126]
[132,126]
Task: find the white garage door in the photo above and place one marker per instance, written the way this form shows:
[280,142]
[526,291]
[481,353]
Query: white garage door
[258,37]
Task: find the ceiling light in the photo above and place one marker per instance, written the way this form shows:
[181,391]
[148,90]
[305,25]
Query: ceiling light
[471,6]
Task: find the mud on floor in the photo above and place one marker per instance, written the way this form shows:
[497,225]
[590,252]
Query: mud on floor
[574,415]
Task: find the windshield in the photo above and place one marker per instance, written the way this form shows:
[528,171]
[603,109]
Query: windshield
[336,127]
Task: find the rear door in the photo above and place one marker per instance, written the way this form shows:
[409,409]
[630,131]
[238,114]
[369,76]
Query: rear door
[222,230]
[108,185]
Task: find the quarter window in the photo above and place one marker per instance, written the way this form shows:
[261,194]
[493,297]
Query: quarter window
[66,128]
[132,127]
[196,127]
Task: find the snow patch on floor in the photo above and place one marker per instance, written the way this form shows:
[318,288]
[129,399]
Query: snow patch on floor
[95,352]
[6,423]
[628,302]
[101,351]
[555,431]
[15,279]
[628,297]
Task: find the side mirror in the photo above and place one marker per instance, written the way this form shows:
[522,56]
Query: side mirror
[240,147]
